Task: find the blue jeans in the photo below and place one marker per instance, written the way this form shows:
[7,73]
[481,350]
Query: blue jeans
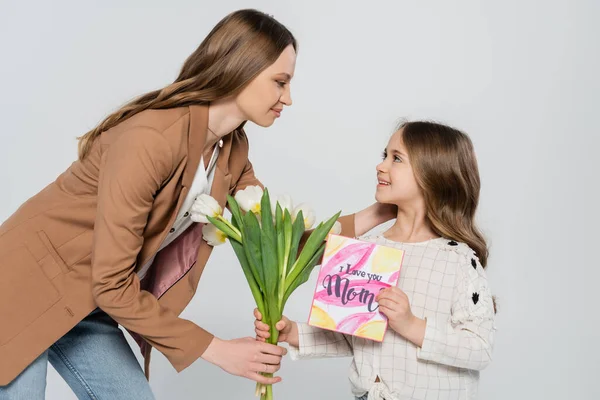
[94,359]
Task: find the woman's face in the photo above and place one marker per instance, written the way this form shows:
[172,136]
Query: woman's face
[263,99]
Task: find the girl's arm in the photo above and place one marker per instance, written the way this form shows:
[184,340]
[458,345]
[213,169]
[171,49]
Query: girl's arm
[319,343]
[466,340]
[306,341]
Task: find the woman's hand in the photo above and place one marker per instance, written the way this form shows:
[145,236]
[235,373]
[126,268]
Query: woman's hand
[246,357]
[288,330]
[372,216]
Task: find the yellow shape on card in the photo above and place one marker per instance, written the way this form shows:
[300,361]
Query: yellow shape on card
[334,244]
[386,259]
[372,330]
[319,317]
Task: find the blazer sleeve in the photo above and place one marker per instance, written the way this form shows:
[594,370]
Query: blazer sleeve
[132,170]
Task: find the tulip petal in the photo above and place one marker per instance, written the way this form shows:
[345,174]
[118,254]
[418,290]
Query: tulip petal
[337,228]
[212,235]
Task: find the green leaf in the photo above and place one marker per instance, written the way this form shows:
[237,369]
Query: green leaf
[304,275]
[236,212]
[256,293]
[280,238]
[297,232]
[287,228]
[287,239]
[268,245]
[265,213]
[274,313]
[223,227]
[252,247]
[269,262]
[314,242]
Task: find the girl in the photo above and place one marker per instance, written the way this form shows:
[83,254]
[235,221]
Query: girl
[441,314]
[111,241]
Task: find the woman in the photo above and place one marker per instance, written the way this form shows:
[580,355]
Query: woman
[110,242]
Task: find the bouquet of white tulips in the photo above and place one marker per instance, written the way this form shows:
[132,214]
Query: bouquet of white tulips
[266,237]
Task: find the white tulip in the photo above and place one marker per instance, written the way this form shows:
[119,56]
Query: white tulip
[249,198]
[203,206]
[336,229]
[285,202]
[212,235]
[307,212]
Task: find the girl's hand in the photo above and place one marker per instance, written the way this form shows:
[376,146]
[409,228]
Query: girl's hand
[394,304]
[288,330]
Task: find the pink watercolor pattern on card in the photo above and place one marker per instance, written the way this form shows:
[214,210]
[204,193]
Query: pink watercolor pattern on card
[351,275]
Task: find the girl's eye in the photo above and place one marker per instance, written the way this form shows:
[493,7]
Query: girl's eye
[281,83]
[396,158]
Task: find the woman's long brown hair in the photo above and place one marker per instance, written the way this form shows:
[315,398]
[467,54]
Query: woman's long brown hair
[237,49]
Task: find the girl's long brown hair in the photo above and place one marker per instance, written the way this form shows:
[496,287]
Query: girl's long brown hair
[445,168]
[237,49]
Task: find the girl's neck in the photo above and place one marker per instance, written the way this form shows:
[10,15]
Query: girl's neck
[411,226]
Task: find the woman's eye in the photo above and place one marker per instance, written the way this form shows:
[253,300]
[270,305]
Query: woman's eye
[397,159]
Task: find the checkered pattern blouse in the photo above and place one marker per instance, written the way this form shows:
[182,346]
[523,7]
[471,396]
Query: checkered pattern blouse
[447,286]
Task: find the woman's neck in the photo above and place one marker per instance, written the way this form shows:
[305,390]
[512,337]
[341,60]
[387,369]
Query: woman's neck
[223,117]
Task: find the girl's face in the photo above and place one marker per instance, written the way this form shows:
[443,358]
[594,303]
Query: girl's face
[263,99]
[396,183]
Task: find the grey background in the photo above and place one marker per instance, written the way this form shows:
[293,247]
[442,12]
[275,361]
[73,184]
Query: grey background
[519,76]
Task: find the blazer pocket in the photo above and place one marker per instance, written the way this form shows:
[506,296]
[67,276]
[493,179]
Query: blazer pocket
[53,253]
[26,293]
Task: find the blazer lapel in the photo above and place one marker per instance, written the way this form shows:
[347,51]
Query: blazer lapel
[195,140]
[222,179]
